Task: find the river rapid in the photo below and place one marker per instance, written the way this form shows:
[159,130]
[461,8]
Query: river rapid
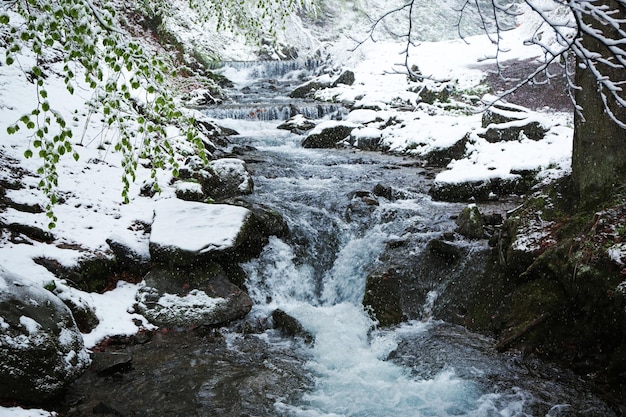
[423,367]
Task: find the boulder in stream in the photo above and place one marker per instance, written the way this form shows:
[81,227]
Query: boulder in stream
[297,124]
[186,298]
[470,222]
[383,298]
[308,89]
[219,179]
[328,134]
[290,326]
[41,349]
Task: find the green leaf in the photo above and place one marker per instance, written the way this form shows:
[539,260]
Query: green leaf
[28,153]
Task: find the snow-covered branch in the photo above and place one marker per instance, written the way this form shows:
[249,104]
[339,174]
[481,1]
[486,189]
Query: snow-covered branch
[592,32]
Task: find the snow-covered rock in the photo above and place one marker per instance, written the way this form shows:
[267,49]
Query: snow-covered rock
[506,122]
[187,233]
[297,124]
[189,298]
[233,178]
[218,180]
[41,349]
[327,134]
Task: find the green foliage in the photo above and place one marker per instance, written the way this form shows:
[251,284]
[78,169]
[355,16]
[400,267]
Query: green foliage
[129,84]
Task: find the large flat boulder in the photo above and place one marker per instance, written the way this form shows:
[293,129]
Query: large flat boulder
[186,232]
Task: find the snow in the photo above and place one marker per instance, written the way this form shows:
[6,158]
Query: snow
[93,209]
[114,309]
[23,412]
[196,227]
[31,326]
[617,253]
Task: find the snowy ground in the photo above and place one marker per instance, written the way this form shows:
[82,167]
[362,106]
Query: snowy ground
[93,209]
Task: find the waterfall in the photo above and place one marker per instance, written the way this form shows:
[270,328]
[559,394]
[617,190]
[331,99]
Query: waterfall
[268,69]
[265,112]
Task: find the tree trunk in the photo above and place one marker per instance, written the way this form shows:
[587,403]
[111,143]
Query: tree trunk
[599,154]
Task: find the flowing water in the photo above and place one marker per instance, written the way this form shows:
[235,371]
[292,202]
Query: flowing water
[424,367]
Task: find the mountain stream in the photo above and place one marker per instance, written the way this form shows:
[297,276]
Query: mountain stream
[424,367]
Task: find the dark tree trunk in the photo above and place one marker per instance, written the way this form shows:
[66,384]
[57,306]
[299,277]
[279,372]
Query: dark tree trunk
[599,155]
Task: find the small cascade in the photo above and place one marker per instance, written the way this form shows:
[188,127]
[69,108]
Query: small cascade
[274,112]
[268,69]
[262,89]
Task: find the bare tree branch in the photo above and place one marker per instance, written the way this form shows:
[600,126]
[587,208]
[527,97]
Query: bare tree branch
[559,36]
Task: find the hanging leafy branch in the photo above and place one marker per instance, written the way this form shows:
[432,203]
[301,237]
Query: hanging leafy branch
[129,84]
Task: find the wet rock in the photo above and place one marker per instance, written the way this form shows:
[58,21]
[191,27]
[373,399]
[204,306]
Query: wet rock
[131,255]
[383,298]
[105,409]
[367,139]
[195,373]
[111,362]
[297,124]
[384,191]
[227,177]
[148,189]
[84,314]
[189,191]
[201,97]
[362,205]
[41,349]
[289,326]
[94,273]
[506,122]
[186,298]
[328,134]
[308,90]
[346,78]
[483,191]
[444,249]
[32,232]
[442,157]
[470,223]
[433,92]
[218,180]
[268,221]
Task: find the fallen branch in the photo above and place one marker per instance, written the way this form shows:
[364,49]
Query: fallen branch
[505,344]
